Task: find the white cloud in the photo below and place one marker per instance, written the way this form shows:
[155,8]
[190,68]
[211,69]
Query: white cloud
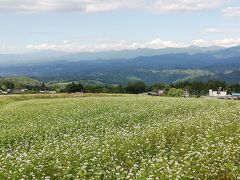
[69,46]
[33,6]
[223,42]
[214,30]
[103,46]
[231,11]
[200,42]
[184,5]
[227,42]
[157,6]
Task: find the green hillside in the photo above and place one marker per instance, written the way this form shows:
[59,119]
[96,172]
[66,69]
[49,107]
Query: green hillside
[20,80]
[127,137]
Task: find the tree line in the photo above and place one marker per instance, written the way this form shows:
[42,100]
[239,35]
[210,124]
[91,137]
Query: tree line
[195,88]
[8,84]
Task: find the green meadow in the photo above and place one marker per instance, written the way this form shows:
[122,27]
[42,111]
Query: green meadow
[118,137]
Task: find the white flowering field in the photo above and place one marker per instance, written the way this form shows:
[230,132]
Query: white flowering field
[128,137]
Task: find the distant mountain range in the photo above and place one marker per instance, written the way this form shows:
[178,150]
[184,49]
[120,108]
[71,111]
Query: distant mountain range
[54,56]
[168,65]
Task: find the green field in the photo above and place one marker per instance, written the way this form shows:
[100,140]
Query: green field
[118,137]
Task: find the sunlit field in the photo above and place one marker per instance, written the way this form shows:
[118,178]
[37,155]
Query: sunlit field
[118,137]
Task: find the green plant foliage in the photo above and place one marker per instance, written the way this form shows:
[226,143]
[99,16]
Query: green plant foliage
[73,88]
[135,87]
[173,92]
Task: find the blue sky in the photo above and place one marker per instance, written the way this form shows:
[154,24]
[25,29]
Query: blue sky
[102,25]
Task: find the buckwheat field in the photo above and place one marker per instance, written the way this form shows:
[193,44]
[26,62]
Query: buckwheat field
[125,137]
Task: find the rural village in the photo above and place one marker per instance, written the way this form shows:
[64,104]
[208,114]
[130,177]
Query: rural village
[217,94]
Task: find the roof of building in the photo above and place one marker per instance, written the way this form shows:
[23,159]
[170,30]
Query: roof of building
[236,94]
[217,91]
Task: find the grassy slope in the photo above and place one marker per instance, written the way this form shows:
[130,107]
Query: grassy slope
[128,136]
[62,85]
[21,80]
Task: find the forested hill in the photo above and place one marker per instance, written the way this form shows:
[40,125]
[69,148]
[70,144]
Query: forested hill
[166,68]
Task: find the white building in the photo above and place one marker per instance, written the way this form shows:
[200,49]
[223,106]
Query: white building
[217,93]
[24,90]
[186,93]
[48,92]
[161,92]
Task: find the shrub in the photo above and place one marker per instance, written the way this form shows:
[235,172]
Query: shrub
[73,88]
[173,92]
[135,87]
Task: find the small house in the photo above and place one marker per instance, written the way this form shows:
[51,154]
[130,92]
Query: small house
[16,91]
[219,93]
[45,92]
[161,92]
[9,90]
[157,93]
[186,93]
[24,90]
[48,92]
[153,93]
